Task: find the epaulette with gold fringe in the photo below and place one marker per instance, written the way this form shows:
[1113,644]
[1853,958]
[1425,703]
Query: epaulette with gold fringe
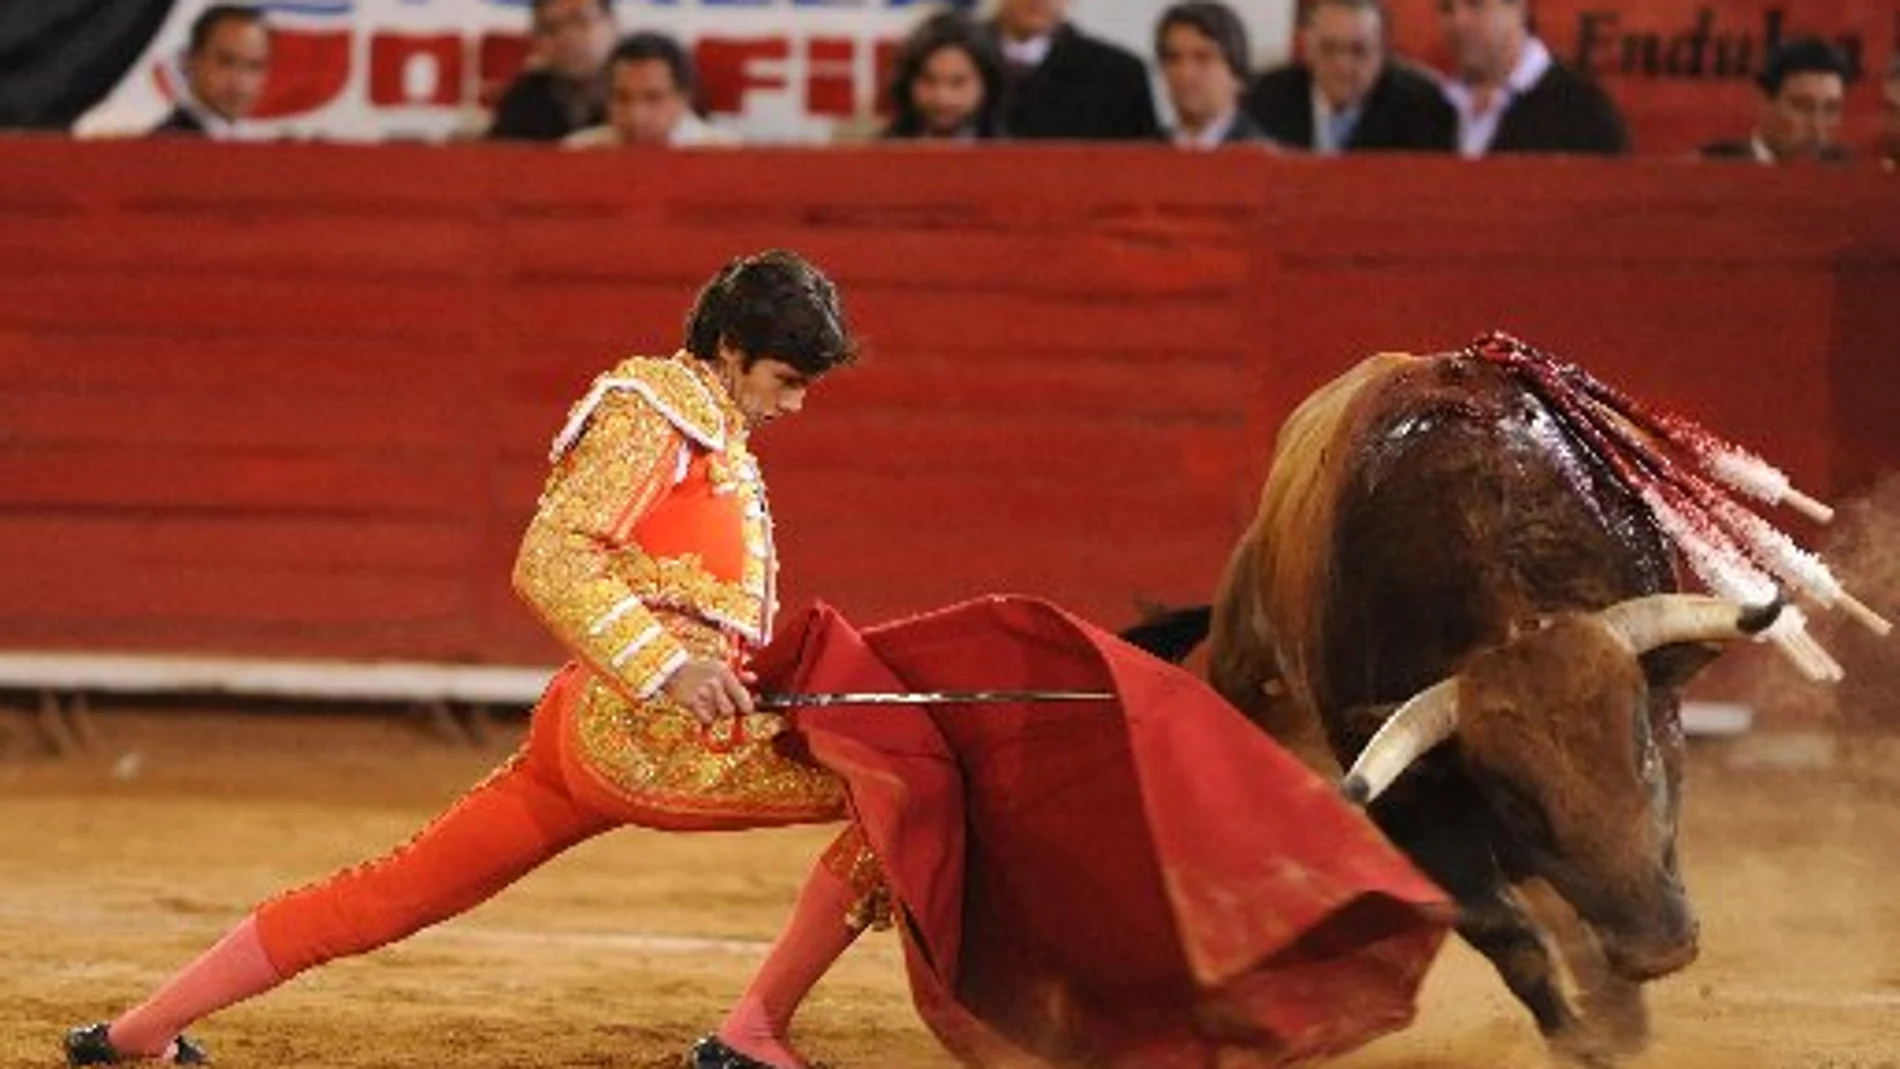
[668,385]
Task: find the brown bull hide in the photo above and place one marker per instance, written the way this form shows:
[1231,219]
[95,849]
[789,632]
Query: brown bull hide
[1429,515]
[1554,728]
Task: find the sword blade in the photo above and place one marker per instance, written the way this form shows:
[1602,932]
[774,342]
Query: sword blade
[926,697]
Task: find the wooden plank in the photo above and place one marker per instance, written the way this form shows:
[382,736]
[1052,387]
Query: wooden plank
[386,426]
[393,545]
[202,177]
[115,478]
[91,357]
[394,249]
[283,594]
[330,374]
[922,259]
[219,302]
[372,681]
[451,639]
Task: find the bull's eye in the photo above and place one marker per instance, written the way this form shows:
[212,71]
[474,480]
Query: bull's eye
[1519,813]
[1647,759]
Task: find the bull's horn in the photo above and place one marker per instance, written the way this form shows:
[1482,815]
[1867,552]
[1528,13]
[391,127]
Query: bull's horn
[1425,720]
[1660,619]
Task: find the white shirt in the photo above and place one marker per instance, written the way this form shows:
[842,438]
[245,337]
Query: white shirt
[1477,129]
[690,132]
[1325,115]
[1028,52]
[1210,136]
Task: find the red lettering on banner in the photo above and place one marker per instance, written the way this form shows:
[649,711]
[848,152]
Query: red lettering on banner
[884,64]
[832,82]
[415,69]
[499,57]
[730,68]
[308,69]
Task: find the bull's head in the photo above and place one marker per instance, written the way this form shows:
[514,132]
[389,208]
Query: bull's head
[1554,729]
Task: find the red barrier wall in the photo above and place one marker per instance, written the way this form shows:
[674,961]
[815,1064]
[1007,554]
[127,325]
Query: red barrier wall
[295,398]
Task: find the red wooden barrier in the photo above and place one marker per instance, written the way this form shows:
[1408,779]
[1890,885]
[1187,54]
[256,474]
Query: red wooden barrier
[294,399]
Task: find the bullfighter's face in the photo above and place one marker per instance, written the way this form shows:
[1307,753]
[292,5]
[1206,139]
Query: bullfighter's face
[764,389]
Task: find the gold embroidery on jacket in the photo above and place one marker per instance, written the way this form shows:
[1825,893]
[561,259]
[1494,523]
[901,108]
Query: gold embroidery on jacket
[682,388]
[633,617]
[620,452]
[619,468]
[657,755]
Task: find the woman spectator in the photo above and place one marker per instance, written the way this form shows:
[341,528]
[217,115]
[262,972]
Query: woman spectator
[947,83]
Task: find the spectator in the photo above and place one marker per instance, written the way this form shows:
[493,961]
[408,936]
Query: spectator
[1803,86]
[1512,96]
[562,89]
[1891,155]
[651,94]
[1202,48]
[1063,83]
[947,82]
[226,63]
[1348,95]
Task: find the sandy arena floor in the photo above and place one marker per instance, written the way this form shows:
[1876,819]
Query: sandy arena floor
[118,865]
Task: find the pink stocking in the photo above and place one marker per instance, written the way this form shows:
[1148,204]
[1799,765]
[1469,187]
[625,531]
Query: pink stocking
[231,971]
[760,1024]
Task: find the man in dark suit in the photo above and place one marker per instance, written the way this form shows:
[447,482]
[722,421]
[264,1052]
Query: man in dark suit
[1890,103]
[1202,48]
[226,62]
[1803,86]
[565,90]
[1348,96]
[1511,95]
[1063,83]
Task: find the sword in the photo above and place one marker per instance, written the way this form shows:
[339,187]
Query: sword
[925,697]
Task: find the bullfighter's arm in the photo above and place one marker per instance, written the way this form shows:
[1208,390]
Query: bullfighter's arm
[626,460]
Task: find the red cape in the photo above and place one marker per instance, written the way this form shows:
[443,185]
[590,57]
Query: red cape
[1149,881]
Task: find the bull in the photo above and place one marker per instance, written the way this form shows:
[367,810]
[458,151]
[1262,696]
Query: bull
[1462,584]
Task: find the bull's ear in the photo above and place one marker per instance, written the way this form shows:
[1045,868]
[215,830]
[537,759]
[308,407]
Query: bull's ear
[1359,723]
[1170,634]
[1676,664]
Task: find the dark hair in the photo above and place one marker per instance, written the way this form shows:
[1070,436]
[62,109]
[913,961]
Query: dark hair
[645,46]
[1311,7]
[1213,20]
[948,29]
[1802,55]
[606,6]
[207,21]
[772,304]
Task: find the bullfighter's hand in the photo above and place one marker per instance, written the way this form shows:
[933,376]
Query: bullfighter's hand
[710,690]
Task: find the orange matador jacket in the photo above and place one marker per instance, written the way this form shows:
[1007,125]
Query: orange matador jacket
[652,543]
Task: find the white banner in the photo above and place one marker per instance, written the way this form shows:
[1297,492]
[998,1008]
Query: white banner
[773,71]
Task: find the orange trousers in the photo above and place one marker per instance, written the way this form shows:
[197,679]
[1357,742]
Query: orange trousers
[521,816]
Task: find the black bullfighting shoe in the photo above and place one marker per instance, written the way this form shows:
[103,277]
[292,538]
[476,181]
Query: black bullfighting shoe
[92,1046]
[711,1052]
